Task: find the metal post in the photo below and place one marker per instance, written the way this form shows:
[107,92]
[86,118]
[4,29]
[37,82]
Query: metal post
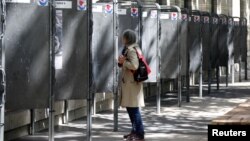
[188,79]
[94,104]
[200,83]
[209,79]
[66,112]
[90,75]
[240,80]
[179,59]
[116,46]
[140,21]
[193,78]
[116,105]
[201,64]
[227,76]
[188,88]
[209,61]
[233,71]
[2,98]
[158,97]
[246,71]
[218,77]
[52,73]
[32,122]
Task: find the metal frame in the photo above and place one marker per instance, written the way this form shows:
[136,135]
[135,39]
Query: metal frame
[196,12]
[2,102]
[185,10]
[116,46]
[158,99]
[203,14]
[220,23]
[158,83]
[217,66]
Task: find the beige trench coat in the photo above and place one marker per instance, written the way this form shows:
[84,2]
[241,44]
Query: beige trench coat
[131,91]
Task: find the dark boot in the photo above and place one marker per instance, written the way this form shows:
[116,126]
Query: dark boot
[128,135]
[136,138]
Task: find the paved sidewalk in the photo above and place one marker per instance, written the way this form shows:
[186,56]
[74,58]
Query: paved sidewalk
[188,123]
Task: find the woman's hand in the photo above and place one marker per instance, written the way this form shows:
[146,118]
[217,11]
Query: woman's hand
[121,59]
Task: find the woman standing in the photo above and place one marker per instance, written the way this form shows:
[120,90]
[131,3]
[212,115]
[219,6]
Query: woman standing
[131,91]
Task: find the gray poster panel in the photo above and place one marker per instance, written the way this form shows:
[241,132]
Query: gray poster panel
[103,48]
[243,39]
[214,42]
[194,43]
[27,56]
[149,41]
[1,32]
[71,54]
[184,43]
[206,41]
[237,41]
[128,18]
[168,45]
[223,43]
[1,18]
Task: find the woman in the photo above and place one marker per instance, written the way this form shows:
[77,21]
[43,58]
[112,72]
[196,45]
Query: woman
[131,91]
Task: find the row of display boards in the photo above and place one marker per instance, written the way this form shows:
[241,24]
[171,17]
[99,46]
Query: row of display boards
[175,43]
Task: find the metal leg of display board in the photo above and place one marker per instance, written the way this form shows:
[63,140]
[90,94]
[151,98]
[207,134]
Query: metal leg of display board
[32,122]
[218,77]
[227,75]
[89,119]
[116,46]
[94,104]
[158,98]
[158,95]
[116,106]
[2,122]
[209,79]
[90,75]
[233,73]
[51,119]
[3,82]
[240,70]
[200,82]
[66,112]
[179,92]
[188,87]
[246,71]
[2,101]
[52,73]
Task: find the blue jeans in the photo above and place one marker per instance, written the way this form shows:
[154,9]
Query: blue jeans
[136,121]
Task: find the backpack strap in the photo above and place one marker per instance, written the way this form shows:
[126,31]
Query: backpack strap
[138,55]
